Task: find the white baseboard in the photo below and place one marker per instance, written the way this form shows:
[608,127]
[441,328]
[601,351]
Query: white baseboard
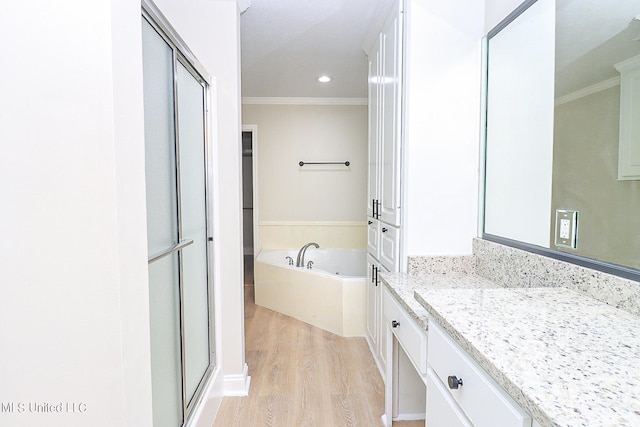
[409,417]
[204,414]
[237,385]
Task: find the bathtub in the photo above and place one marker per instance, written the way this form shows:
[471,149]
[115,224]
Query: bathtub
[330,295]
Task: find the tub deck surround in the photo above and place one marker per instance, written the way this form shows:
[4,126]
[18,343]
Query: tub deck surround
[318,296]
[566,358]
[403,286]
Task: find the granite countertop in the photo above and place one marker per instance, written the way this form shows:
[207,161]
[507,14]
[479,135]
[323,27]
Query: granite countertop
[402,286]
[567,359]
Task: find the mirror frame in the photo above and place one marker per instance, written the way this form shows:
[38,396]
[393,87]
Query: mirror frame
[591,263]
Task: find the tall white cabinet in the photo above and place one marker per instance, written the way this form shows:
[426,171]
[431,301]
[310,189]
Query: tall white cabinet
[424,133]
[383,208]
[385,90]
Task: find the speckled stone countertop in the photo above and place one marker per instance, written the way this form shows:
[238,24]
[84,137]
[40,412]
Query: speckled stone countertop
[566,358]
[402,286]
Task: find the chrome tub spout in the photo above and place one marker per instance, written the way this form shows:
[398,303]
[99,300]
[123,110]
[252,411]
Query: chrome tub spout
[302,251]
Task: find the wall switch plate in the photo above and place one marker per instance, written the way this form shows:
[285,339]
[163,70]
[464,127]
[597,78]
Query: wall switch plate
[566,232]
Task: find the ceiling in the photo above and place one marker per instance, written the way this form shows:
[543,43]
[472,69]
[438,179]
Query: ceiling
[288,44]
[592,36]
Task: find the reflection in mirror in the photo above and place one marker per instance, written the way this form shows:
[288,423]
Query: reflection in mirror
[557,138]
[591,38]
[519,149]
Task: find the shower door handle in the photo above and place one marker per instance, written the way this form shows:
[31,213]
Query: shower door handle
[175,248]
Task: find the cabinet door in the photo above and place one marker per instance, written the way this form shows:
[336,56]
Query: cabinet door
[382,326]
[373,237]
[442,410]
[390,247]
[389,193]
[375,102]
[629,148]
[373,304]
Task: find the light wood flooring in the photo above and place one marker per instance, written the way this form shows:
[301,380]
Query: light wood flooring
[304,376]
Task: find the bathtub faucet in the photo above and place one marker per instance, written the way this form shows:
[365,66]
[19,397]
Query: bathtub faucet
[301,252]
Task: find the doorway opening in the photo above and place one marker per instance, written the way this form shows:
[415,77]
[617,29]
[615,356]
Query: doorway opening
[248,203]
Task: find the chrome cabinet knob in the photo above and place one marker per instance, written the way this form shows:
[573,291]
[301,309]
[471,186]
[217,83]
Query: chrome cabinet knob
[454,382]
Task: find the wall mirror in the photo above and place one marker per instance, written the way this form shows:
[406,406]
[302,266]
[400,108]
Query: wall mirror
[563,132]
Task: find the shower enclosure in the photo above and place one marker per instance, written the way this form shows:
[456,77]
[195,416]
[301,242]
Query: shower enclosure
[175,107]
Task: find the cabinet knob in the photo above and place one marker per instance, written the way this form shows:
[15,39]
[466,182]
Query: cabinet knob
[395,323]
[454,382]
[384,229]
[369,222]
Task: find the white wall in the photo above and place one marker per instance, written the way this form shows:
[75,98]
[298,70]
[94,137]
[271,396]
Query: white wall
[442,125]
[74,315]
[291,133]
[74,322]
[131,210]
[321,203]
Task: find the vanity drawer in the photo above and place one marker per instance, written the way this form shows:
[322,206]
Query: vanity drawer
[483,401]
[442,410]
[412,338]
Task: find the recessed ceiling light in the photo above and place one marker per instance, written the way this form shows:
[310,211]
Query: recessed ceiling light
[324,79]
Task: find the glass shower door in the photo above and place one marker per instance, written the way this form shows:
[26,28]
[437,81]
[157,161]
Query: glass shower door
[191,135]
[162,230]
[175,136]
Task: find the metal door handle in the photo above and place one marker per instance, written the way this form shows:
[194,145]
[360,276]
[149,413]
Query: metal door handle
[175,248]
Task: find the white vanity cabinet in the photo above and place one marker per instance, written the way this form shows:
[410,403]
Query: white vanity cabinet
[409,335]
[406,362]
[461,393]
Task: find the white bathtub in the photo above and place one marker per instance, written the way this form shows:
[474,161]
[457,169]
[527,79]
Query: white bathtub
[331,295]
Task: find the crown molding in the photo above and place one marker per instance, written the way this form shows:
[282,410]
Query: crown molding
[303,101]
[589,90]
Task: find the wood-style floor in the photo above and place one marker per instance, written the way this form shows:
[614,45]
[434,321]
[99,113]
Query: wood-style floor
[304,376]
